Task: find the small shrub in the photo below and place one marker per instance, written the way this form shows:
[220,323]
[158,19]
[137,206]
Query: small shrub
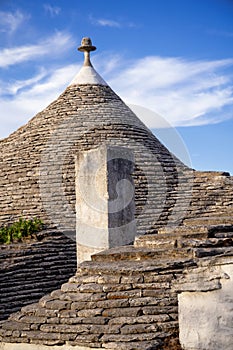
[19,230]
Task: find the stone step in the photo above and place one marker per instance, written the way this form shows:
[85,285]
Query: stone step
[181,247]
[209,221]
[209,252]
[207,243]
[154,242]
[133,267]
[187,241]
[183,230]
[220,230]
[130,253]
[223,234]
[166,240]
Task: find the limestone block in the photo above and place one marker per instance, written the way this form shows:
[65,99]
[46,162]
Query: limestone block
[206,317]
[104,200]
[15,346]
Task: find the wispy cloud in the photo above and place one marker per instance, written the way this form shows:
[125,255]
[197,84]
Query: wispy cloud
[52,10]
[107,22]
[31,96]
[56,43]
[14,87]
[184,92]
[11,21]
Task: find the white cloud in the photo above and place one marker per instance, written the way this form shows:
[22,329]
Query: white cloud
[56,44]
[32,96]
[52,10]
[184,92]
[108,23]
[108,64]
[11,21]
[14,87]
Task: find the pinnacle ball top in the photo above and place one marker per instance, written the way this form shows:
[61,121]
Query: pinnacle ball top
[86,45]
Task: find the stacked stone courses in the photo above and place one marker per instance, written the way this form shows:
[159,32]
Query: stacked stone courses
[212,197]
[82,118]
[126,297]
[29,270]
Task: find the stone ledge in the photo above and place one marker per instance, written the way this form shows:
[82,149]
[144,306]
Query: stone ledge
[12,346]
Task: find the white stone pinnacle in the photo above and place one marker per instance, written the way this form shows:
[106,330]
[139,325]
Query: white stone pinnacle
[87,74]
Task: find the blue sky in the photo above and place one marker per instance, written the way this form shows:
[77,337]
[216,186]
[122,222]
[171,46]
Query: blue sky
[174,57]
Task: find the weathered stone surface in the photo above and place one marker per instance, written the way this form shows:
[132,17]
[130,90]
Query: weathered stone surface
[117,312]
[116,287]
[130,337]
[122,298]
[90,312]
[102,220]
[78,328]
[205,315]
[99,316]
[113,303]
[57,305]
[144,301]
[30,270]
[138,328]
[124,294]
[153,345]
[33,319]
[112,308]
[11,325]
[37,173]
[132,279]
[91,287]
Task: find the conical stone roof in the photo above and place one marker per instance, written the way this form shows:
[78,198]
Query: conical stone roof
[124,298]
[37,161]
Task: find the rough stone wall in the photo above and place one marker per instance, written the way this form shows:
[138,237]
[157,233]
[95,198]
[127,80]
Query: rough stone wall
[124,298]
[205,305]
[30,270]
[113,304]
[37,164]
[212,199]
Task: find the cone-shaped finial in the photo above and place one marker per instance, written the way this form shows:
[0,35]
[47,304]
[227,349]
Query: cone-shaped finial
[87,74]
[86,47]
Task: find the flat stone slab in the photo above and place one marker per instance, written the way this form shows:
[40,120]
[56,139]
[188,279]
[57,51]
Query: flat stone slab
[12,346]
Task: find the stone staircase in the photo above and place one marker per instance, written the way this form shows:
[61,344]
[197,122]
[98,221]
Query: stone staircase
[200,240]
[123,298]
[186,242]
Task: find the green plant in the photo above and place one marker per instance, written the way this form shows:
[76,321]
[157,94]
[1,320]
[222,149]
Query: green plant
[19,230]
